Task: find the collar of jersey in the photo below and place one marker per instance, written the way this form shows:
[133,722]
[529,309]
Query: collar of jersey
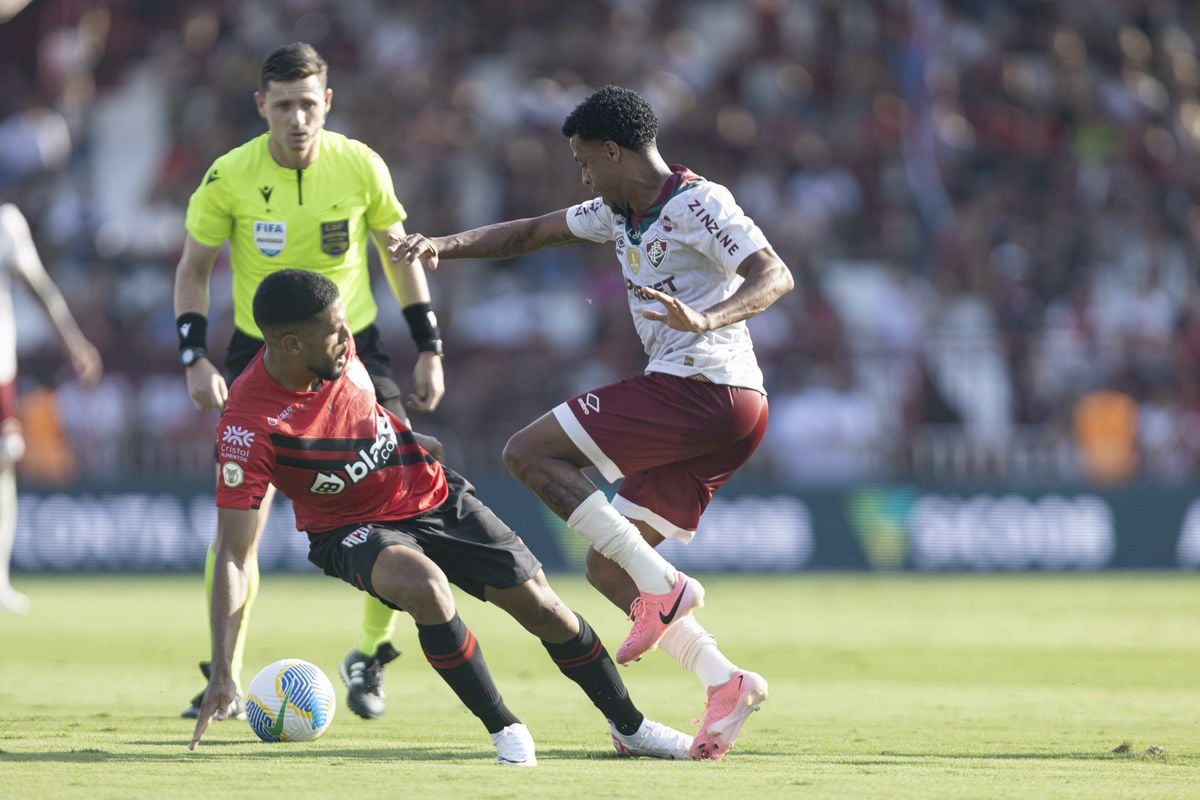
[271,159]
[638,222]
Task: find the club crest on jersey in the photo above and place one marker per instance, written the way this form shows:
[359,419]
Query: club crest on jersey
[634,257]
[327,483]
[270,237]
[656,251]
[335,237]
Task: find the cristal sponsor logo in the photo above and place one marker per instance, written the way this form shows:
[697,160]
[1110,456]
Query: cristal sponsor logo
[589,403]
[237,453]
[356,536]
[237,435]
[327,483]
[232,474]
[380,451]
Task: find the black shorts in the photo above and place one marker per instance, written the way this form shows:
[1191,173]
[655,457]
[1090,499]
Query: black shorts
[243,348]
[462,536]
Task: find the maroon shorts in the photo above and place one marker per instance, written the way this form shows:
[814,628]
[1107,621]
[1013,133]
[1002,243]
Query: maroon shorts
[8,401]
[674,440]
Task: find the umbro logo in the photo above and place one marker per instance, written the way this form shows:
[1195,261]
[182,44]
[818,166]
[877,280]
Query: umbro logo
[589,403]
[212,176]
[184,328]
[266,191]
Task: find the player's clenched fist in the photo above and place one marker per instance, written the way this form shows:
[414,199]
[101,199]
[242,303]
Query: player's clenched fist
[413,247]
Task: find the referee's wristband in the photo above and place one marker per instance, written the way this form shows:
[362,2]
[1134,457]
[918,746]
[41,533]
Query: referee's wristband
[193,330]
[422,324]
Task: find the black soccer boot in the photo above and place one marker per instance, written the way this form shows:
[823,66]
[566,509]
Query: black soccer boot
[363,676]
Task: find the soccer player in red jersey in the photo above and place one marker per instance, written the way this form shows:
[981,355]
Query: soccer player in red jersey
[384,515]
[695,267]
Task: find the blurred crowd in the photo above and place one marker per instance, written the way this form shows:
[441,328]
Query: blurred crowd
[992,211]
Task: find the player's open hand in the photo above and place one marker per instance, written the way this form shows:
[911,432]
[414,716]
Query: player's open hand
[429,382]
[413,247]
[678,315]
[207,386]
[218,700]
[85,358]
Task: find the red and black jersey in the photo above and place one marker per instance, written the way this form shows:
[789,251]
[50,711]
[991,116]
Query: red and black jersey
[336,453]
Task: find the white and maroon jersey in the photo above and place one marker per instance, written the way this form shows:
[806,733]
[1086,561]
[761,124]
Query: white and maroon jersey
[339,456]
[688,244]
[12,223]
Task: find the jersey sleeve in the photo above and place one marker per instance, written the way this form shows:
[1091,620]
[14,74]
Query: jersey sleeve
[591,220]
[383,208]
[246,459]
[718,228]
[209,212]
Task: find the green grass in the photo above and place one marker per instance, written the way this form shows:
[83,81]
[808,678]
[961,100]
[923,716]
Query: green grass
[1013,686]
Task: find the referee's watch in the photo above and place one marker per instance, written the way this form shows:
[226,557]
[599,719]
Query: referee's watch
[190,355]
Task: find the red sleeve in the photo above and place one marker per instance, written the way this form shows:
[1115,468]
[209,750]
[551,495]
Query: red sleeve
[246,459]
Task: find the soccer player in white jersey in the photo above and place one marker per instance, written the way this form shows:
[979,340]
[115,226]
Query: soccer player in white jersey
[695,267]
[19,258]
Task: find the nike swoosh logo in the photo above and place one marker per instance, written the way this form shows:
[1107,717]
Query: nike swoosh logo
[277,728]
[666,618]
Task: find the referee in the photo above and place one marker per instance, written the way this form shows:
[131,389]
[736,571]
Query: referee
[301,197]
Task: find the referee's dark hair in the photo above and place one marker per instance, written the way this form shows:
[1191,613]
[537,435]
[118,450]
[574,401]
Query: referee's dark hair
[292,62]
[621,115]
[292,296]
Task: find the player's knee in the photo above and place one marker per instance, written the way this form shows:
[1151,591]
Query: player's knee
[517,455]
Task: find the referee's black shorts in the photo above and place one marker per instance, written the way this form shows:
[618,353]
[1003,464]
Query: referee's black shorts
[462,536]
[243,348]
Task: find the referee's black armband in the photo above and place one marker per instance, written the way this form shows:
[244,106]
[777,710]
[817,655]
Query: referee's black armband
[192,329]
[422,324]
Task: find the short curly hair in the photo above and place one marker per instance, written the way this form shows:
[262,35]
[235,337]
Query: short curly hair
[292,296]
[615,113]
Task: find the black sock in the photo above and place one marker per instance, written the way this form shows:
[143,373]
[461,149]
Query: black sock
[585,661]
[453,651]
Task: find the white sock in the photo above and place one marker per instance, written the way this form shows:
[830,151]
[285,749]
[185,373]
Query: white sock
[696,651]
[8,519]
[616,538]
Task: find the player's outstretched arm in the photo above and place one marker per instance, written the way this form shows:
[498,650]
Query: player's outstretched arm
[766,279]
[409,285]
[206,385]
[85,358]
[235,538]
[502,240]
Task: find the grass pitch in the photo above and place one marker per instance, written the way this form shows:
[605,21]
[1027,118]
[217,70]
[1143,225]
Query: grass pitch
[980,686]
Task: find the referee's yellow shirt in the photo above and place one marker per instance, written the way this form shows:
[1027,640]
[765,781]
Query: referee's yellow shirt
[318,218]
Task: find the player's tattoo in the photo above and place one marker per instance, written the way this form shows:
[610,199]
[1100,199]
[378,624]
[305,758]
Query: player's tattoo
[514,245]
[563,496]
[564,238]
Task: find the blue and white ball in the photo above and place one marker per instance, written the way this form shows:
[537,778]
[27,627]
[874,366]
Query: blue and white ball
[290,701]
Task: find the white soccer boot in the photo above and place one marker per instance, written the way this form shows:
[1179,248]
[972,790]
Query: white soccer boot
[652,740]
[514,746]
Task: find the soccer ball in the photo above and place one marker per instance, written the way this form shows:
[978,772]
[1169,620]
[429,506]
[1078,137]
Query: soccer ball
[290,701]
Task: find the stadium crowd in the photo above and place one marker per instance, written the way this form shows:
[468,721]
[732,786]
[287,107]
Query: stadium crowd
[992,211]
